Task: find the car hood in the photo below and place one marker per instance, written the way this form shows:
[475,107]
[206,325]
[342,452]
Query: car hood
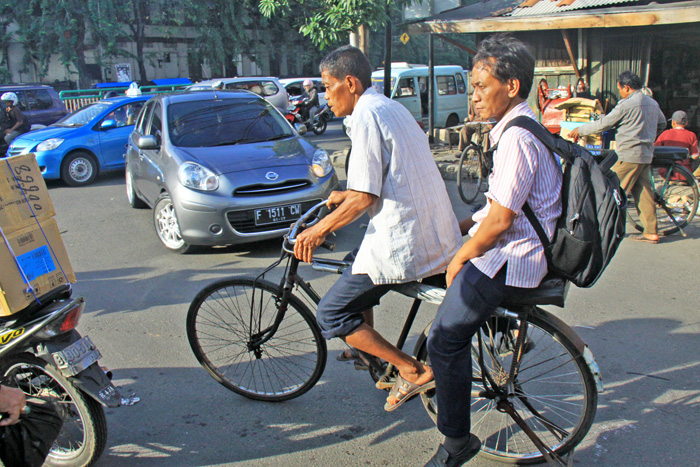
[242,157]
[48,133]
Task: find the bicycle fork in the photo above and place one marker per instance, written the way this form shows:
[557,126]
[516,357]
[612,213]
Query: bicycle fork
[501,393]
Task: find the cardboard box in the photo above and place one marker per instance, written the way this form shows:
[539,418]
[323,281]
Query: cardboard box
[23,193]
[45,265]
[590,140]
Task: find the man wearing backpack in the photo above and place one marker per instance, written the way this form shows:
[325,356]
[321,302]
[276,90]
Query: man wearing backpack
[504,253]
[638,120]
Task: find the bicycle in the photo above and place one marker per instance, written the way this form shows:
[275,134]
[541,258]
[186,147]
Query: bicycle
[475,164]
[535,381]
[675,190]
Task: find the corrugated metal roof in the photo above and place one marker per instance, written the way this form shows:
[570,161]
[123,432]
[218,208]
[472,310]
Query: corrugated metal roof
[545,7]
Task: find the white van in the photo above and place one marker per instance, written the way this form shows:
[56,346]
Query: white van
[409,86]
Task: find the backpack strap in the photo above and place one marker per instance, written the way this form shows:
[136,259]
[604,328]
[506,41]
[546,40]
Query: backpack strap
[537,225]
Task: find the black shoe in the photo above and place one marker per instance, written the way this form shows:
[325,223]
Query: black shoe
[442,458]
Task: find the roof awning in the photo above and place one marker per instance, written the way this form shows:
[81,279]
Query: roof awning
[481,20]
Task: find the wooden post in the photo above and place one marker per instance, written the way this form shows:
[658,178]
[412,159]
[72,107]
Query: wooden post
[569,50]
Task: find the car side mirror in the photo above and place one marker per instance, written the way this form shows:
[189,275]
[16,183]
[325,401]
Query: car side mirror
[301,128]
[147,142]
[107,124]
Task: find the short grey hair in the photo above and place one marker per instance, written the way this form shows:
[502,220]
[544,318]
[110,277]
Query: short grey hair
[348,60]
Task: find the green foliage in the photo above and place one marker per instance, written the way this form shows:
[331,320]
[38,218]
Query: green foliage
[67,28]
[328,22]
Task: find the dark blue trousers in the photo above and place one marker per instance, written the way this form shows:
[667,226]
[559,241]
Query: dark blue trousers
[469,302]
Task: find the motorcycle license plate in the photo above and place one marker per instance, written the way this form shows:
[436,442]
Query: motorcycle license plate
[276,214]
[77,356]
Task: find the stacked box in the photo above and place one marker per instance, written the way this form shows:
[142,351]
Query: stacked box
[33,258]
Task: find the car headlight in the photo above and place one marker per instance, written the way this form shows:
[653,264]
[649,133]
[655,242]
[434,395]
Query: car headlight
[195,176]
[49,144]
[321,163]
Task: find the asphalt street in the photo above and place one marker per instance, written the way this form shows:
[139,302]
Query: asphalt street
[640,320]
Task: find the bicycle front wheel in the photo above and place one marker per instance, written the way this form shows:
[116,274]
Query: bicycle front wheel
[469,173]
[677,191]
[221,321]
[554,391]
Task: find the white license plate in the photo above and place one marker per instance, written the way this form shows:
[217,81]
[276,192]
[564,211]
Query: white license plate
[276,214]
[77,356]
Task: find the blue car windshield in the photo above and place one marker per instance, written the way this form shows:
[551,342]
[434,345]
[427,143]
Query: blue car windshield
[83,116]
[223,122]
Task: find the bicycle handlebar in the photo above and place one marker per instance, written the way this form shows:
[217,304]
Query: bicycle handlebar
[291,238]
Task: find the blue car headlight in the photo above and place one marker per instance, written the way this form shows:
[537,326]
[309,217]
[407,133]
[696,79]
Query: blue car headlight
[321,163]
[49,144]
[198,177]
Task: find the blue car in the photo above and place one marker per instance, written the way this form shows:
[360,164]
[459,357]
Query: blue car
[84,143]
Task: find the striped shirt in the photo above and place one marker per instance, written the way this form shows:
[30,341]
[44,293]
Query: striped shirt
[523,170]
[412,232]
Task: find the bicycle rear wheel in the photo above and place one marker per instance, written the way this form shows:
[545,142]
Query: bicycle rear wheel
[220,322]
[469,173]
[554,391]
[678,190]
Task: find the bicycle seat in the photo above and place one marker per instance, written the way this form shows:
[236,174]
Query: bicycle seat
[551,291]
[669,154]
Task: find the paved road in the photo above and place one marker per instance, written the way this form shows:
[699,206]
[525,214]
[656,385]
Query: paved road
[641,321]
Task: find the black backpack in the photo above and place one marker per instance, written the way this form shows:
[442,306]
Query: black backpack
[594,207]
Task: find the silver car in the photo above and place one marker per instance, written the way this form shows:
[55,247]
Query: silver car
[220,168]
[268,87]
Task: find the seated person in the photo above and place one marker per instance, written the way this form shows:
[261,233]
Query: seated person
[677,135]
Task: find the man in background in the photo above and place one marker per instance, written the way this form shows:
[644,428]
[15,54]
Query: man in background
[638,121]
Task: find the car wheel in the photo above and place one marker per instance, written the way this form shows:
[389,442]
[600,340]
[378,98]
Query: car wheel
[134,200]
[79,168]
[167,225]
[452,120]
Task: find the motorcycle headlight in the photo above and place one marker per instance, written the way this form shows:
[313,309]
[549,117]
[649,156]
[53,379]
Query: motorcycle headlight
[321,163]
[49,144]
[197,177]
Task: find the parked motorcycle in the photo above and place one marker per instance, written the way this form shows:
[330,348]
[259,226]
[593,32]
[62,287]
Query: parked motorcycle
[43,354]
[320,120]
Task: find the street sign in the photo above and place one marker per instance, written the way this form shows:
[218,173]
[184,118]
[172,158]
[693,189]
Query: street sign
[405,38]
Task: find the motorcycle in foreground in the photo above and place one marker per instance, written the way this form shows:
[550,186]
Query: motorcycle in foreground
[320,121]
[43,354]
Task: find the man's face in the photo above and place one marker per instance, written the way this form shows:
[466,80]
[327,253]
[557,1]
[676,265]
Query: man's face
[340,99]
[491,99]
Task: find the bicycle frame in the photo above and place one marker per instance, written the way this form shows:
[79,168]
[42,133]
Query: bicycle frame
[499,392]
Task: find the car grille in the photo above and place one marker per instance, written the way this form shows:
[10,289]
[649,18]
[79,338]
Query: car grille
[244,221]
[276,189]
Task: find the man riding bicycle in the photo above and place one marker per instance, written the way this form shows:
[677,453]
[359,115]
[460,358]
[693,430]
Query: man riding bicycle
[412,232]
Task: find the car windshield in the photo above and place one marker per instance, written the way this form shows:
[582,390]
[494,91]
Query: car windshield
[223,122]
[83,116]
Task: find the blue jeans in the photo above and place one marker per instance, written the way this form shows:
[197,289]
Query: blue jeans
[469,302]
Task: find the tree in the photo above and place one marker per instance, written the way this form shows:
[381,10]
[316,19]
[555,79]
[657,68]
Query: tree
[329,22]
[69,28]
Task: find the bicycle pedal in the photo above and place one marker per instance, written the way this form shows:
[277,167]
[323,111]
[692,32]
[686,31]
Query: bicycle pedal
[385,385]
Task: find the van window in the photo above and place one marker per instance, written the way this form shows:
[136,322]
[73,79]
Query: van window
[461,86]
[406,88]
[446,85]
[378,84]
